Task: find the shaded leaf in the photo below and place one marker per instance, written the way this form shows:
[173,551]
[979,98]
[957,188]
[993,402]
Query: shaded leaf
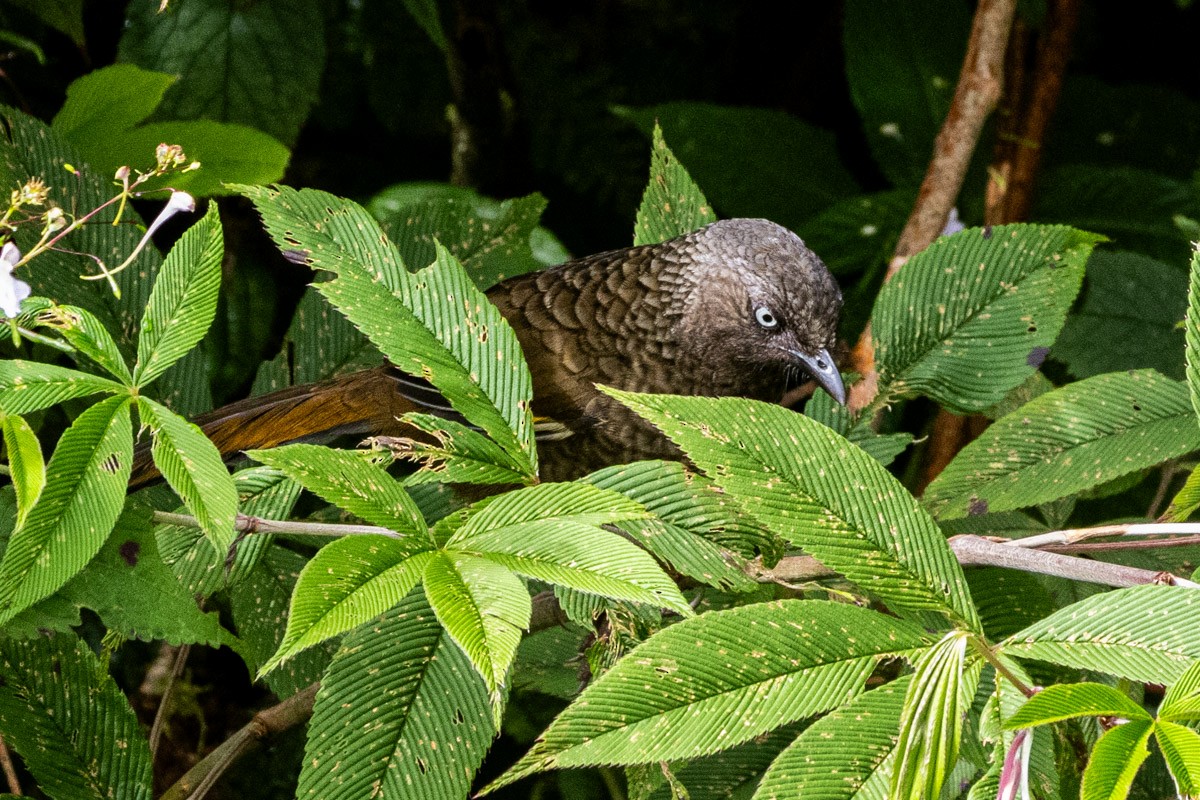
[752,162]
[70,722]
[258,64]
[1129,318]
[820,492]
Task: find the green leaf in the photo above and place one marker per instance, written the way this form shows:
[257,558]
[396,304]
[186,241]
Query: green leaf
[103,116]
[1068,440]
[183,302]
[752,162]
[492,240]
[1182,700]
[1070,700]
[973,315]
[1115,760]
[1129,319]
[842,753]
[88,336]
[902,62]
[1180,747]
[757,667]
[672,204]
[433,324]
[27,469]
[193,467]
[85,490]
[820,492]
[694,523]
[349,480]
[70,722]
[1187,500]
[133,592]
[460,455]
[1143,633]
[346,584]
[27,386]
[259,64]
[580,503]
[400,713]
[1192,332]
[931,725]
[485,609]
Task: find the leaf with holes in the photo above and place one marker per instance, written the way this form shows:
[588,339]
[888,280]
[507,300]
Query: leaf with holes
[1144,633]
[85,490]
[820,492]
[70,721]
[432,324]
[1068,440]
[401,713]
[672,204]
[972,316]
[717,680]
[485,609]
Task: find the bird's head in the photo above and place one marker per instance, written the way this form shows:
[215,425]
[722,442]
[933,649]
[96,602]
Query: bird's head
[760,302]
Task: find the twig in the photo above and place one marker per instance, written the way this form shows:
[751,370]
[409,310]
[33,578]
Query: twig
[164,703]
[1101,547]
[244,523]
[276,719]
[976,95]
[1075,535]
[10,770]
[977,551]
[990,656]
[1164,484]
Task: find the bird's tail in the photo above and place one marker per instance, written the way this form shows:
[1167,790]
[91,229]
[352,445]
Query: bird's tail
[364,403]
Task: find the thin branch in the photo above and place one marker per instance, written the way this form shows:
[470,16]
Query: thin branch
[977,551]
[1102,547]
[976,95]
[1072,536]
[10,770]
[278,718]
[164,704]
[247,524]
[990,656]
[1167,474]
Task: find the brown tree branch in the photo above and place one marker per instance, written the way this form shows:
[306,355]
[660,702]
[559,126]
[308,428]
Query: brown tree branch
[10,771]
[976,95]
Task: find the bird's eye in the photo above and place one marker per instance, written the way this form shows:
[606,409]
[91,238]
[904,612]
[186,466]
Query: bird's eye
[764,317]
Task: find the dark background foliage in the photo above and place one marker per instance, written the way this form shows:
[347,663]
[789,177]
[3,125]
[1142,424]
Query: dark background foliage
[559,98]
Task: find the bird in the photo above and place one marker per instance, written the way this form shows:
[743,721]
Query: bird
[739,307]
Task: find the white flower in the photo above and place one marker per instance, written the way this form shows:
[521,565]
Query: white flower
[953,223]
[12,290]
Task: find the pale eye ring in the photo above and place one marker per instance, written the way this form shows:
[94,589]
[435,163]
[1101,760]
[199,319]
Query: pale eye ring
[765,318]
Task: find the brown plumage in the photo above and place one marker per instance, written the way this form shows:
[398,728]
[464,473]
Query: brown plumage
[738,308]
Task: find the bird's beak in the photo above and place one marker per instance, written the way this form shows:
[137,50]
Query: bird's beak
[825,372]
